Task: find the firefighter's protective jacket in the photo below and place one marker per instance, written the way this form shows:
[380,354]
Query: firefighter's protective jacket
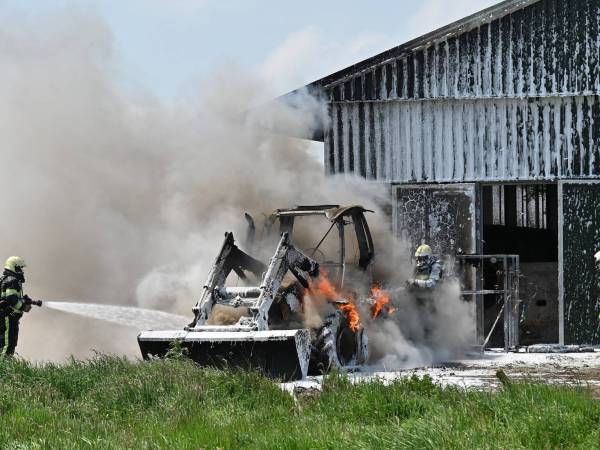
[429,276]
[11,293]
[12,305]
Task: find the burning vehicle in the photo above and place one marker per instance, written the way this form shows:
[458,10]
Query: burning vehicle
[297,314]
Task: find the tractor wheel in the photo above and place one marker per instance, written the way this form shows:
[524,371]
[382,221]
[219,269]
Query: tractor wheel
[336,346]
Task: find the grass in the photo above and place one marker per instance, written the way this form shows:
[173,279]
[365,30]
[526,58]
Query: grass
[109,402]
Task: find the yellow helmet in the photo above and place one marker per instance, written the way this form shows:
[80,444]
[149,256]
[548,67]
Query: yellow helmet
[15,263]
[423,250]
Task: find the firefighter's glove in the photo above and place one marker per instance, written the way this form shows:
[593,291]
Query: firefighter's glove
[30,302]
[411,284]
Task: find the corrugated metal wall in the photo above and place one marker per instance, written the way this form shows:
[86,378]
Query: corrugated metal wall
[512,99]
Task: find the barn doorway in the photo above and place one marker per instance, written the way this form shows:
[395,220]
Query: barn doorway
[522,219]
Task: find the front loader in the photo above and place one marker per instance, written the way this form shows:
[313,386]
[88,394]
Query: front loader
[262,324]
[249,343]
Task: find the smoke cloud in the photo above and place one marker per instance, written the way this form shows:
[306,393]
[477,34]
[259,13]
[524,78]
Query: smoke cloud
[120,199]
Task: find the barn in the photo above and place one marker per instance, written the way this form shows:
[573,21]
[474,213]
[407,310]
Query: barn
[487,132]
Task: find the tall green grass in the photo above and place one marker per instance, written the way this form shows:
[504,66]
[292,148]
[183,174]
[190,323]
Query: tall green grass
[109,402]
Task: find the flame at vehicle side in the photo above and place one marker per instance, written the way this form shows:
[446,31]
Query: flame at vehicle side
[324,288]
[382,302]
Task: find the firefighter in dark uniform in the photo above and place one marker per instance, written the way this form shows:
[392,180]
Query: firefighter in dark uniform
[12,304]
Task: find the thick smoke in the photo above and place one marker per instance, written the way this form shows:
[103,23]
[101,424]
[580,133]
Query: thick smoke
[117,198]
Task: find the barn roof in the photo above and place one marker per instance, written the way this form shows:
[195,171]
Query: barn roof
[455,28]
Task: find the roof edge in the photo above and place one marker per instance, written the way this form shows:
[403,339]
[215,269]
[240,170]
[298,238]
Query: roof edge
[460,26]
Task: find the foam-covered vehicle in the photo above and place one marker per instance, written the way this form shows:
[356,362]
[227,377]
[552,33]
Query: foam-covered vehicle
[271,313]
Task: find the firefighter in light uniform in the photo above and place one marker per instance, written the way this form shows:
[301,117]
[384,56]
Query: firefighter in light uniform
[597,263]
[428,271]
[12,304]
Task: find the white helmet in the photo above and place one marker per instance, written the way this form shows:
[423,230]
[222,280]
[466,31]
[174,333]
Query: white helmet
[15,264]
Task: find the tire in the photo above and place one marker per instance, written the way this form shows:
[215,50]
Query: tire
[336,346]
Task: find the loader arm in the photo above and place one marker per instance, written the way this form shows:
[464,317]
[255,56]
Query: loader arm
[249,343]
[229,258]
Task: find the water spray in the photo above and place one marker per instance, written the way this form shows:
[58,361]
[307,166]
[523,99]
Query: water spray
[129,316]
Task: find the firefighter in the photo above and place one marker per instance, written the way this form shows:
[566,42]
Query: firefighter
[597,263]
[12,304]
[428,270]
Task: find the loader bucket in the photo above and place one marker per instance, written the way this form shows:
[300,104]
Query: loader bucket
[281,354]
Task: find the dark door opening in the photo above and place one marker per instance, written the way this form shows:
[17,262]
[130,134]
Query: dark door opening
[522,219]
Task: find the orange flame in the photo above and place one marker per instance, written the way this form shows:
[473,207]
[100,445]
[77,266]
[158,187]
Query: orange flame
[352,313]
[382,301]
[323,287]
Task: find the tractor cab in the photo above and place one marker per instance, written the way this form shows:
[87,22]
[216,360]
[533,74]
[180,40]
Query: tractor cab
[337,237]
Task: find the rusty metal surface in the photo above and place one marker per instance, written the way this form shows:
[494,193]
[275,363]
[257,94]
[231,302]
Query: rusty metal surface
[513,97]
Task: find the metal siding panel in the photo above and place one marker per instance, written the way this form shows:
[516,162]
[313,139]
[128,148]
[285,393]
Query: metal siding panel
[550,53]
[594,61]
[453,67]
[527,56]
[371,144]
[595,137]
[420,74]
[578,153]
[407,160]
[473,82]
[402,136]
[471,140]
[336,139]
[329,145]
[361,139]
[558,138]
[480,131]
[395,135]
[521,147]
[416,147]
[410,76]
[400,78]
[428,151]
[389,141]
[346,139]
[377,84]
[587,140]
[538,48]
[485,40]
[448,150]
[389,80]
[380,139]
[355,140]
[507,43]
[489,150]
[513,166]
[517,54]
[442,68]
[394,80]
[568,134]
[580,238]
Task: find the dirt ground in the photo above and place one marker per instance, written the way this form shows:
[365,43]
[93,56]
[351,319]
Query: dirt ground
[479,371]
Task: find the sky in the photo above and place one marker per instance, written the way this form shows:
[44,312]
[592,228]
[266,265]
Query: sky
[165,46]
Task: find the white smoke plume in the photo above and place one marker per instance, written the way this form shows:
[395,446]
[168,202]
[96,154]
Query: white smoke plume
[120,199]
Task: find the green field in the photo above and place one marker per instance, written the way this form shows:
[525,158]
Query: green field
[113,403]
